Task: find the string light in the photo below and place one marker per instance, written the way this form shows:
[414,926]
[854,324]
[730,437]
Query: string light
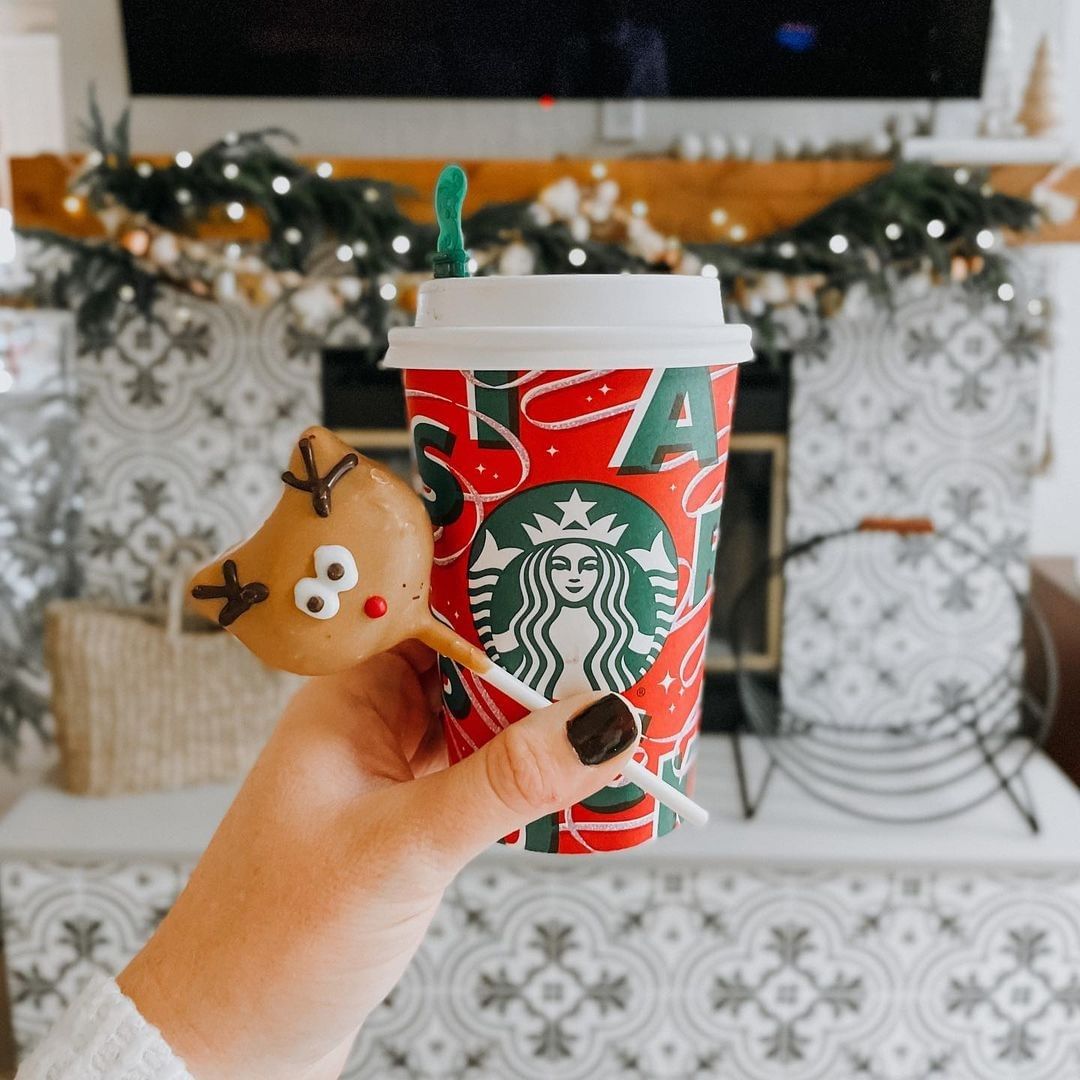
[293,235]
[137,242]
[709,271]
[360,248]
[598,170]
[232,251]
[985,239]
[935,228]
[1005,291]
[144,169]
[986,191]
[235,211]
[324,169]
[184,159]
[388,290]
[94,158]
[962,176]
[183,197]
[894,230]
[281,185]
[72,204]
[371,194]
[738,232]
[231,138]
[576,257]
[838,244]
[401,244]
[231,170]
[1035,307]
[126,293]
[718,216]
[639,208]
[786,250]
[345,252]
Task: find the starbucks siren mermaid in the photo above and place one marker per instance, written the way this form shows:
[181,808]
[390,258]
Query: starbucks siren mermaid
[573,625]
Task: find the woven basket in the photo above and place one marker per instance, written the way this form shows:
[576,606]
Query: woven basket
[144,704]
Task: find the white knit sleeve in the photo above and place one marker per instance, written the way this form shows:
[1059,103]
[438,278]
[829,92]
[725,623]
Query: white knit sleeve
[103,1037]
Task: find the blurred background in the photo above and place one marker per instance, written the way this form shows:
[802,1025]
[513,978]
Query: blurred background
[210,217]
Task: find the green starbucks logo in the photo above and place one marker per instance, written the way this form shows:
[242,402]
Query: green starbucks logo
[573,587]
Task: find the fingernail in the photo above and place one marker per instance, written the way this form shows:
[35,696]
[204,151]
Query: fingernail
[603,730]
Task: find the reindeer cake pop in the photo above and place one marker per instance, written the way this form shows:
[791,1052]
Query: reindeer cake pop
[340,571]
[337,572]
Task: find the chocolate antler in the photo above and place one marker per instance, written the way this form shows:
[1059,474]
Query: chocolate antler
[319,486]
[238,598]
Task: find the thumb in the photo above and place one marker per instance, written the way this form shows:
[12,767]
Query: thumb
[545,762]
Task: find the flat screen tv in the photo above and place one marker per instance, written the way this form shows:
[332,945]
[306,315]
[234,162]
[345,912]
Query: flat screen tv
[556,48]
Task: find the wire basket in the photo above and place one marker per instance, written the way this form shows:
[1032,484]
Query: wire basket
[932,764]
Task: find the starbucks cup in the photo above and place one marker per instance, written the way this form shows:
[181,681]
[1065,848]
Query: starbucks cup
[571,436]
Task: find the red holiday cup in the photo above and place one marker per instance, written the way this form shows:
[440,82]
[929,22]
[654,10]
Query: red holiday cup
[571,436]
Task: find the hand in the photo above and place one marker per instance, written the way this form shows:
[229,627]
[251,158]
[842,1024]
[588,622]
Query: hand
[324,875]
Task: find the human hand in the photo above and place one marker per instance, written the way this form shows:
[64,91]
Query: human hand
[322,879]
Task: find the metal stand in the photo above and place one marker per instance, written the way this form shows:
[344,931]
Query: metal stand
[901,764]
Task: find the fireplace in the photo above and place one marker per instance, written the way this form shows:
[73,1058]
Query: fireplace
[364,405]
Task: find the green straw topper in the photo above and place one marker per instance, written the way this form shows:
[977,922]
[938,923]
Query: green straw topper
[450,259]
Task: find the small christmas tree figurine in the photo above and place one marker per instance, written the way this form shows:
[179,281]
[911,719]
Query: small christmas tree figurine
[1000,94]
[1040,112]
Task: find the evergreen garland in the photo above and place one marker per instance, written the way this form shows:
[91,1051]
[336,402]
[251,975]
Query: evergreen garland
[916,218]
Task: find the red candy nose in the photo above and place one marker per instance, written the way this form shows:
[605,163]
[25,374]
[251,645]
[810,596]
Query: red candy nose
[375,607]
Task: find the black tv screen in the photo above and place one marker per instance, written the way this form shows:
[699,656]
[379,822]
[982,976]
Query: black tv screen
[557,48]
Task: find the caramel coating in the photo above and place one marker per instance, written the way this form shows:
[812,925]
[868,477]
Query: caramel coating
[383,524]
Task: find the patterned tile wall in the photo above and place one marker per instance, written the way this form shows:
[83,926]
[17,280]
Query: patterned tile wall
[655,973]
[185,419]
[927,408]
[176,426]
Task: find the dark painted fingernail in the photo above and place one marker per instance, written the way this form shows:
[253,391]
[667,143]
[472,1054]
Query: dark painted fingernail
[602,730]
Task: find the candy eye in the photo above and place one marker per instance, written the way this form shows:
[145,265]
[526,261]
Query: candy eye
[335,564]
[313,597]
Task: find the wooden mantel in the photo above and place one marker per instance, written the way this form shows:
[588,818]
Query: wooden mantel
[681,196]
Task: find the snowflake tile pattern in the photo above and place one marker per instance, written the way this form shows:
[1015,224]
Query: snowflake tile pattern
[653,972]
[185,419]
[927,409]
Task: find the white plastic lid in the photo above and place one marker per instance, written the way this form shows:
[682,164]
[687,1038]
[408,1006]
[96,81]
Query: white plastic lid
[569,322]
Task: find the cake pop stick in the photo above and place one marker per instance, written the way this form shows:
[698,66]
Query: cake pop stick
[340,571]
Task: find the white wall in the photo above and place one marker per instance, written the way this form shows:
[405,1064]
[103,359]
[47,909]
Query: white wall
[1056,523]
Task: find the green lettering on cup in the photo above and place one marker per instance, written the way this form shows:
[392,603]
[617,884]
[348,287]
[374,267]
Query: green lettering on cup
[442,493]
[670,764]
[674,415]
[614,800]
[494,398]
[706,541]
[454,696]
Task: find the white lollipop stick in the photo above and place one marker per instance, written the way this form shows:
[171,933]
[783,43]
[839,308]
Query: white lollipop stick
[634,771]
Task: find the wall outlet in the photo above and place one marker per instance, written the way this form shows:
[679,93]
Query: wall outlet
[622,120]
